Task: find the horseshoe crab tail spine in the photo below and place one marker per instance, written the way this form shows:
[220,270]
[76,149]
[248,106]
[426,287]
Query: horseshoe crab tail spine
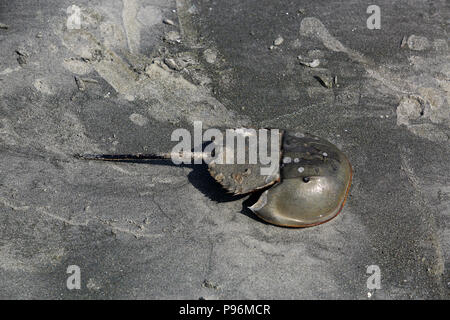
[139,156]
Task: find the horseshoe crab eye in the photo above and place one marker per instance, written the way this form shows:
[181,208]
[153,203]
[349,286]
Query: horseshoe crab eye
[300,200]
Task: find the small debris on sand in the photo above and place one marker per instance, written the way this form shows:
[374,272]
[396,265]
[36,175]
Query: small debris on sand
[312,64]
[169,22]
[172,36]
[327,83]
[89,80]
[418,43]
[404,42]
[22,52]
[22,60]
[3,26]
[39,35]
[22,56]
[409,110]
[185,60]
[210,56]
[97,55]
[210,285]
[172,64]
[80,83]
[301,11]
[138,119]
[278,41]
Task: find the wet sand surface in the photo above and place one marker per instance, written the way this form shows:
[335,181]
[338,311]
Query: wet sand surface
[136,70]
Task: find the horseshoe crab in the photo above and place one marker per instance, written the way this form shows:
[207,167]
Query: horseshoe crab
[308,187]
